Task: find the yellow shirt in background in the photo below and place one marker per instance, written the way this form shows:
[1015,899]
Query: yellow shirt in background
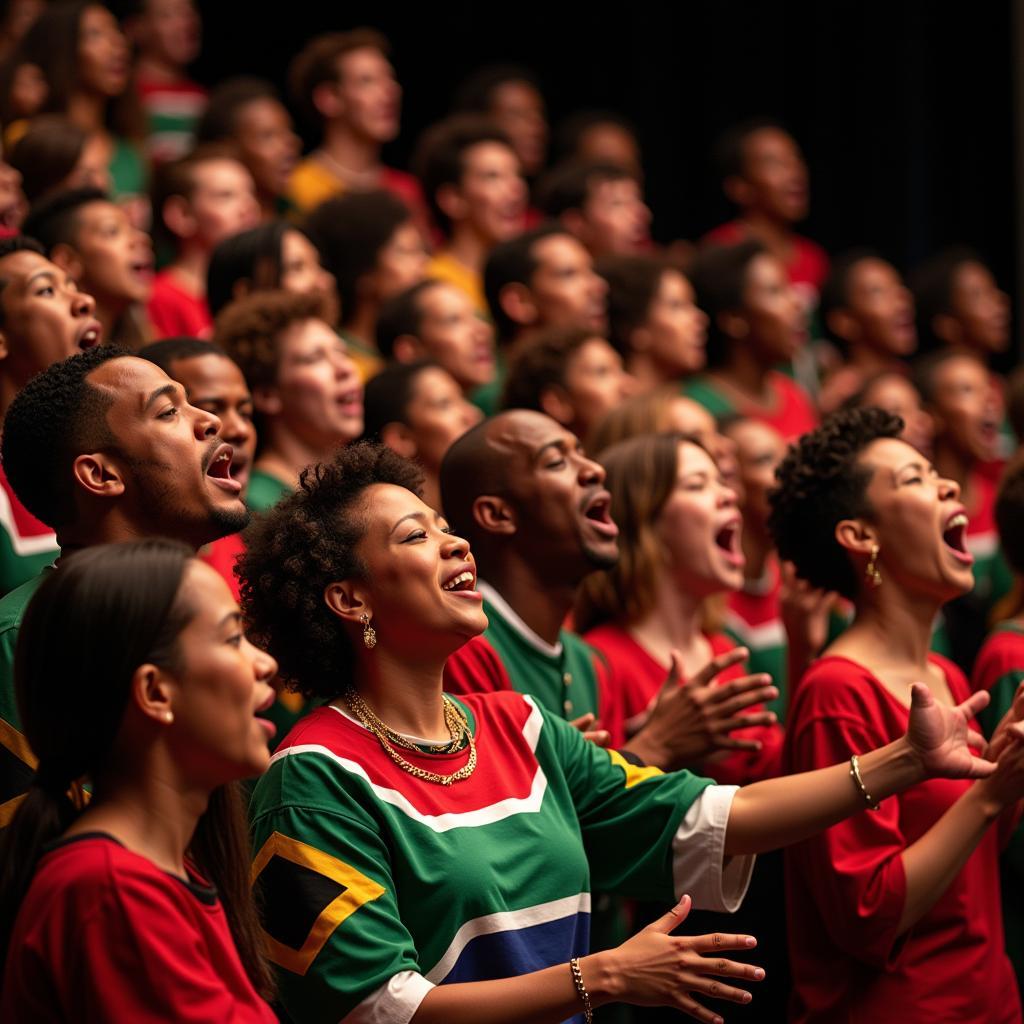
[445,267]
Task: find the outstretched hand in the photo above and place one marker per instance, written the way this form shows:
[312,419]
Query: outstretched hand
[942,738]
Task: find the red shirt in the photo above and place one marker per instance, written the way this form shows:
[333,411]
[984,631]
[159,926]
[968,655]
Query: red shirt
[104,935]
[846,888]
[808,266]
[175,312]
[640,679]
[222,555]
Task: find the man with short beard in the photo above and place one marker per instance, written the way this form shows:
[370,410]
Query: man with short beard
[104,447]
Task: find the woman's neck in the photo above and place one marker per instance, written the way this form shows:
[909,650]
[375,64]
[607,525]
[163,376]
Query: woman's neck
[404,693]
[286,455]
[775,235]
[189,269]
[88,111]
[468,248]
[746,374]
[757,548]
[151,810]
[673,623]
[871,362]
[649,373]
[152,69]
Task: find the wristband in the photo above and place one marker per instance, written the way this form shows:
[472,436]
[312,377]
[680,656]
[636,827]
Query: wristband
[855,775]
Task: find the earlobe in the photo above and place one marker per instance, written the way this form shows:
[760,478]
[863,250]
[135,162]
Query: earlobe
[450,202]
[97,475]
[555,402]
[737,191]
[855,535]
[345,599]
[4,351]
[178,217]
[842,325]
[732,325]
[407,349]
[494,515]
[399,438]
[152,694]
[517,303]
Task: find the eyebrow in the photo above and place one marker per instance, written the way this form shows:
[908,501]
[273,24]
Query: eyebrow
[170,388]
[42,273]
[235,616]
[561,444]
[419,516]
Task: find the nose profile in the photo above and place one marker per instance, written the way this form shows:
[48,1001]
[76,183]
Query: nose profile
[207,424]
[82,304]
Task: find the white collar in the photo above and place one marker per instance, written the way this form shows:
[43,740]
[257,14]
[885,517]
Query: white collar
[504,609]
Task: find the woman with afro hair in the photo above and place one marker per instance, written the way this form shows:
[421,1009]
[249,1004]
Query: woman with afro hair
[894,914]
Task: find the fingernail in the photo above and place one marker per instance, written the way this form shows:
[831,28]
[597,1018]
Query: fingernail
[747,997]
[759,974]
[750,940]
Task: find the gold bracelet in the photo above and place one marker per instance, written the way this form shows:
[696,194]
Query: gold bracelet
[855,775]
[581,989]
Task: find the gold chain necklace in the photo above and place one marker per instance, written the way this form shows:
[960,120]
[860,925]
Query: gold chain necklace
[362,711]
[454,721]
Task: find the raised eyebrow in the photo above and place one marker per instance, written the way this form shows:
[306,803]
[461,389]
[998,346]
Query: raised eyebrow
[419,516]
[232,617]
[171,388]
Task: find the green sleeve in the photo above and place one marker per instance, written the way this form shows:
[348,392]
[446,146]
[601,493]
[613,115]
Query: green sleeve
[628,815]
[330,912]
[1000,698]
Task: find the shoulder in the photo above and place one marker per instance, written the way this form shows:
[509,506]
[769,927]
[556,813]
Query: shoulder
[609,638]
[834,685]
[13,605]
[726,234]
[1002,652]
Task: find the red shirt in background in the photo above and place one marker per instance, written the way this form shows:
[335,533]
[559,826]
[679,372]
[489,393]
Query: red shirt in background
[222,555]
[175,312]
[846,888]
[640,678]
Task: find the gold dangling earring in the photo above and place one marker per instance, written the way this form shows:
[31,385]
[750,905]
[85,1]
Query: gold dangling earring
[871,572]
[369,633]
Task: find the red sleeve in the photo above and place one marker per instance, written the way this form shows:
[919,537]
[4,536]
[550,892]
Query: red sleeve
[609,692]
[476,668]
[141,958]
[741,766]
[853,870]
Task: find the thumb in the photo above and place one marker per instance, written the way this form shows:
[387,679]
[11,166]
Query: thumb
[669,922]
[675,670]
[920,696]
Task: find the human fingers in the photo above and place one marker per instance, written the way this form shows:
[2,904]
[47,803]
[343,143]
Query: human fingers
[671,920]
[761,718]
[584,722]
[736,687]
[718,664]
[718,942]
[599,737]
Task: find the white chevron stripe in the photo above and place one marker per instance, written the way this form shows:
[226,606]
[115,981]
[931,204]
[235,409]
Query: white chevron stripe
[506,921]
[23,545]
[454,819]
[768,634]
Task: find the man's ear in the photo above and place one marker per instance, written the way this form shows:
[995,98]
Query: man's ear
[347,600]
[4,350]
[948,329]
[843,325]
[66,257]
[516,301]
[556,403]
[327,101]
[407,349]
[738,191]
[450,202]
[733,325]
[399,438]
[267,401]
[98,475]
[494,514]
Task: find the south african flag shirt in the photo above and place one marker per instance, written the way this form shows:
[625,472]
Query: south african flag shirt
[377,885]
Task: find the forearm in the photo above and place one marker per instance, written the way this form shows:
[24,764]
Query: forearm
[543,997]
[931,863]
[778,812]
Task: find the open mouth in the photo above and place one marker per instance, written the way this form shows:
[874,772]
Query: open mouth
[599,512]
[727,540]
[219,470]
[463,584]
[90,336]
[351,403]
[954,536]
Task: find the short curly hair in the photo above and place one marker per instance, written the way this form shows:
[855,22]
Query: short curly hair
[820,482]
[54,418]
[248,330]
[305,542]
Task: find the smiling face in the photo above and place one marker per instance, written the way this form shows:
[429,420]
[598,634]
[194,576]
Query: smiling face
[174,467]
[370,95]
[115,258]
[222,685]
[557,497]
[215,384]
[699,527]
[918,522]
[44,318]
[317,395]
[674,335]
[420,582]
[451,333]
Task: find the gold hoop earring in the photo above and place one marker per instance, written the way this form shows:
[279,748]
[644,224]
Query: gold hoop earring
[871,572]
[369,633]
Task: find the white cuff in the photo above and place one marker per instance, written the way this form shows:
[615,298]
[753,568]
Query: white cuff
[395,1002]
[700,868]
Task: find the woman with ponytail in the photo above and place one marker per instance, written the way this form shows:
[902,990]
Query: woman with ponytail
[132,674]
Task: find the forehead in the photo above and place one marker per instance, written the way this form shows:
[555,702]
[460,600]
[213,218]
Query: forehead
[595,350]
[221,171]
[689,417]
[765,268]
[433,381]
[130,380]
[693,459]
[769,142]
[363,60]
[205,593]
[482,155]
[523,432]
[892,389]
[295,243]
[307,333]
[442,298]
[751,435]
[208,373]
[384,504]
[516,93]
[91,214]
[260,113]
[18,267]
[889,453]
[960,370]
[972,274]
[871,273]
[673,283]
[559,250]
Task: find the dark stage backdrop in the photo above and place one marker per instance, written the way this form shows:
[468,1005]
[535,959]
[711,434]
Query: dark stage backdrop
[904,109]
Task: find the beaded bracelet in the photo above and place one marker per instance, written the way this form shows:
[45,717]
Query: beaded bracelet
[855,775]
[581,989]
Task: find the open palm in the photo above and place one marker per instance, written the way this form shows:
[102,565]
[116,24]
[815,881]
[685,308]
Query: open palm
[942,737]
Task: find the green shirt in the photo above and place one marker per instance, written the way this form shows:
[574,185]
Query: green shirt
[264,491]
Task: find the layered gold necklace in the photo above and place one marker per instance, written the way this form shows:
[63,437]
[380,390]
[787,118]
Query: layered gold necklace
[458,728]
